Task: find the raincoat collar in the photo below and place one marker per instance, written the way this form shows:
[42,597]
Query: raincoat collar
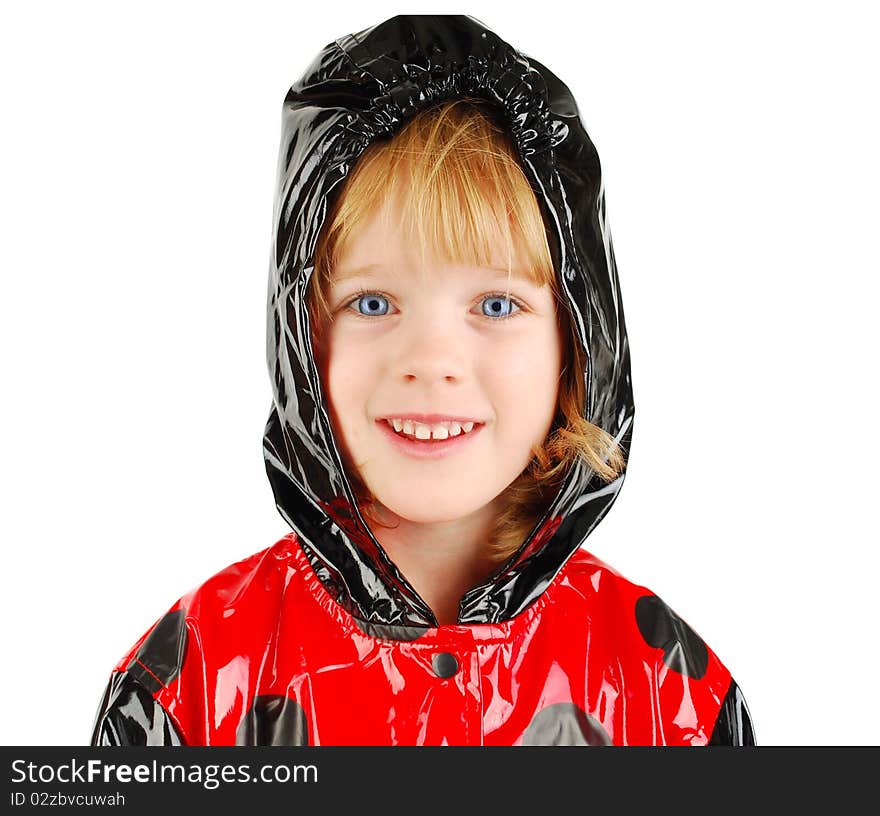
[361,87]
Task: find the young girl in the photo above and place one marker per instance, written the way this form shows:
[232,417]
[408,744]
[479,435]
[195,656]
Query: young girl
[452,412]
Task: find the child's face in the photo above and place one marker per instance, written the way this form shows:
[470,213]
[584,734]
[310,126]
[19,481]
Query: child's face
[423,344]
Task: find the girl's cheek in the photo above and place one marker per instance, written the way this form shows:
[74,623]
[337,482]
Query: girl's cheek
[348,369]
[511,362]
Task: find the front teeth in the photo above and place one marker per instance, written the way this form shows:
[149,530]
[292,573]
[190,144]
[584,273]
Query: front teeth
[442,430]
[425,432]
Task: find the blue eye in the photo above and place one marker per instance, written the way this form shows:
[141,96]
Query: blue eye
[374,304]
[499,306]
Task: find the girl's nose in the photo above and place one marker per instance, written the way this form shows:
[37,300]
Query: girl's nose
[431,353]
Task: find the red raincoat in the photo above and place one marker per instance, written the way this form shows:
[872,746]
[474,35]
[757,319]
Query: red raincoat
[319,639]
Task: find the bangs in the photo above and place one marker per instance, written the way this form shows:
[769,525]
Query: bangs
[463,197]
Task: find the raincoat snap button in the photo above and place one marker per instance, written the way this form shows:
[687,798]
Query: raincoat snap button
[444,664]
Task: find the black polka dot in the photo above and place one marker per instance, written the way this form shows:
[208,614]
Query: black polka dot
[565,724]
[683,649]
[273,720]
[386,631]
[444,664]
[161,655]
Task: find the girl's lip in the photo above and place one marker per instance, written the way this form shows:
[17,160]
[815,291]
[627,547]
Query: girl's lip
[430,448]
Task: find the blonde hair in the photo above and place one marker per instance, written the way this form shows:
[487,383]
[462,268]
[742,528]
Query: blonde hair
[457,172]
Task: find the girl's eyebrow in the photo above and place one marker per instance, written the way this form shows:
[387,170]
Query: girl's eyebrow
[355,272]
[340,276]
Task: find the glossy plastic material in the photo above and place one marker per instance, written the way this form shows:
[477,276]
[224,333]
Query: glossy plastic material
[319,639]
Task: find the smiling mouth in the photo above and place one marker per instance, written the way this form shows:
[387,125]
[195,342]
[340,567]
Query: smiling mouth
[430,448]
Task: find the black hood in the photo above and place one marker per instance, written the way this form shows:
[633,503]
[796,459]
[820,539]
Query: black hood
[362,87]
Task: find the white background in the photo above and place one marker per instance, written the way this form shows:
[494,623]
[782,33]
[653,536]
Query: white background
[739,146]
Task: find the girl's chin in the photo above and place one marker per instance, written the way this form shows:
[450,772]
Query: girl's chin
[429,509]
